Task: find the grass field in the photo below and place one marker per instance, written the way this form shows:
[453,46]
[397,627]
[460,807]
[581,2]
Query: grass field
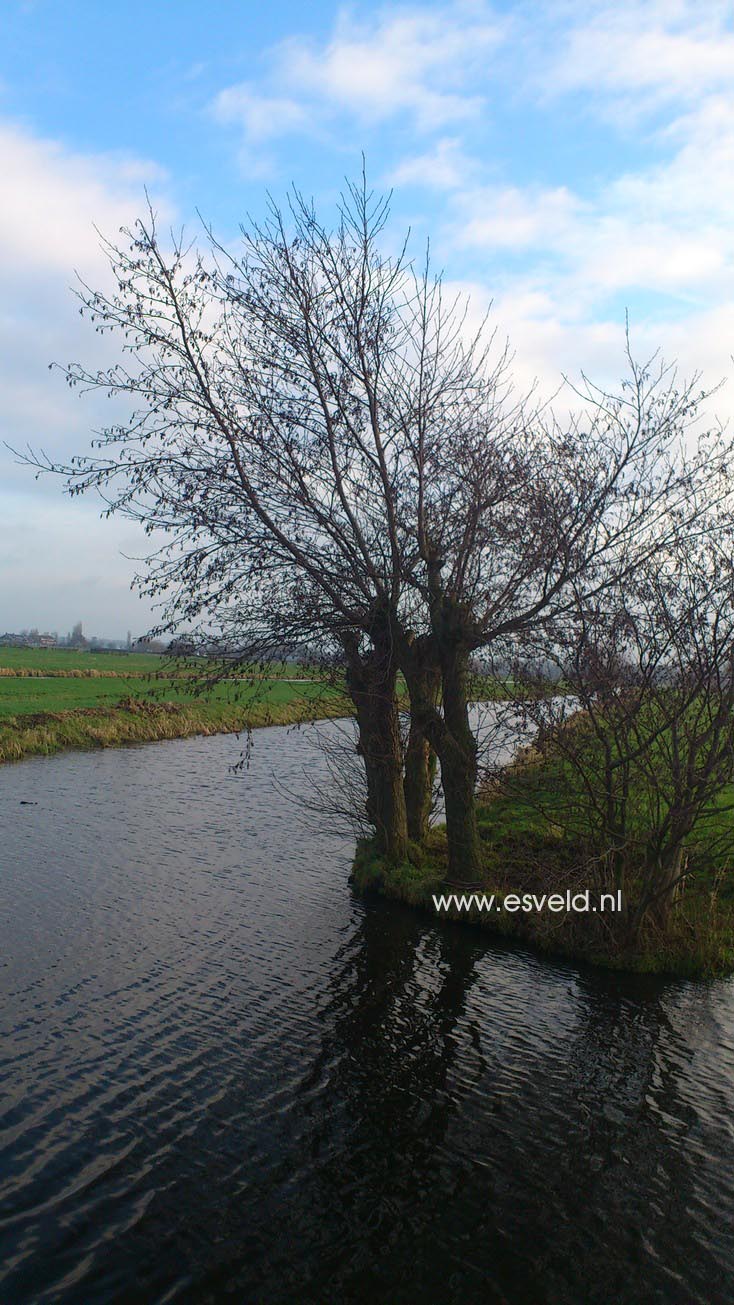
[22,696]
[154,700]
[62,659]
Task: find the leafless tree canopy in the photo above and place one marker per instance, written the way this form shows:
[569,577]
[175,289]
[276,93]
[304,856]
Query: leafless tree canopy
[337,462]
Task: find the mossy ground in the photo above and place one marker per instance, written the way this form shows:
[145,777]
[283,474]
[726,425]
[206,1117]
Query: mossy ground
[524,855]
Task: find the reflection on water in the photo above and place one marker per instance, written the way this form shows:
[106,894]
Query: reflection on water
[223,1077]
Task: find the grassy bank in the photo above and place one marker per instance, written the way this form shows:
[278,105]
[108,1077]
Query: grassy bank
[522,854]
[141,721]
[145,699]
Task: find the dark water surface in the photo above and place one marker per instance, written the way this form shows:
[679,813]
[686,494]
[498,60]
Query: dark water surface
[223,1077]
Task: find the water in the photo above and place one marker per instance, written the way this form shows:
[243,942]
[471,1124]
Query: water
[224,1077]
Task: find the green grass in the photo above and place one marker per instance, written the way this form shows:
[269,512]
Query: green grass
[20,697]
[543,801]
[60,661]
[23,696]
[153,702]
[526,848]
[63,659]
[141,722]
[699,942]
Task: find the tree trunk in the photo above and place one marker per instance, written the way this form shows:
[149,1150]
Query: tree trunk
[458,757]
[666,886]
[371,685]
[451,737]
[420,758]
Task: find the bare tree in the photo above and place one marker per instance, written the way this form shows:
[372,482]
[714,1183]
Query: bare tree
[521,518]
[269,446]
[334,459]
[637,760]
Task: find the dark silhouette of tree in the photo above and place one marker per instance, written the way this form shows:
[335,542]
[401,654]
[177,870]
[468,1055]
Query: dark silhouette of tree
[336,462]
[642,749]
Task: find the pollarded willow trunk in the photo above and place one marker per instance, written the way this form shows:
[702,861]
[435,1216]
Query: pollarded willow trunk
[665,888]
[371,682]
[420,770]
[458,757]
[420,758]
[450,735]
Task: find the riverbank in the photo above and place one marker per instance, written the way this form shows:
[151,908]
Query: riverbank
[140,720]
[699,942]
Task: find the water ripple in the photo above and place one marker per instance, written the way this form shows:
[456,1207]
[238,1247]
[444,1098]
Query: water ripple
[223,1077]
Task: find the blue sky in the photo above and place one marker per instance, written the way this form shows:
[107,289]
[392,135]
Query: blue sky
[569,161]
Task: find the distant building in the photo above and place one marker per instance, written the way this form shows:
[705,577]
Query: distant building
[76,638]
[28,639]
[182,647]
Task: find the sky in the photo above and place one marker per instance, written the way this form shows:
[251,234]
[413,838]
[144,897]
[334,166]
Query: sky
[571,162]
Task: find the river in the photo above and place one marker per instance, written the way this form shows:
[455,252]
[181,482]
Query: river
[225,1077]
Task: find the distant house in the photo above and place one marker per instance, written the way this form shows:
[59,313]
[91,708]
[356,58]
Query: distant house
[182,647]
[31,639]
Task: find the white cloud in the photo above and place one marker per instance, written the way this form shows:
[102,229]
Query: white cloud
[511,218]
[411,63]
[260,116]
[560,256]
[641,54]
[695,183]
[61,564]
[444,167]
[663,229]
[638,234]
[547,339]
[550,340]
[52,200]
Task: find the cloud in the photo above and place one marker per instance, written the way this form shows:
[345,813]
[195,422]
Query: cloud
[641,90]
[54,203]
[61,564]
[259,116]
[411,64]
[639,55]
[695,183]
[550,340]
[513,219]
[591,250]
[659,234]
[52,200]
[665,229]
[444,167]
